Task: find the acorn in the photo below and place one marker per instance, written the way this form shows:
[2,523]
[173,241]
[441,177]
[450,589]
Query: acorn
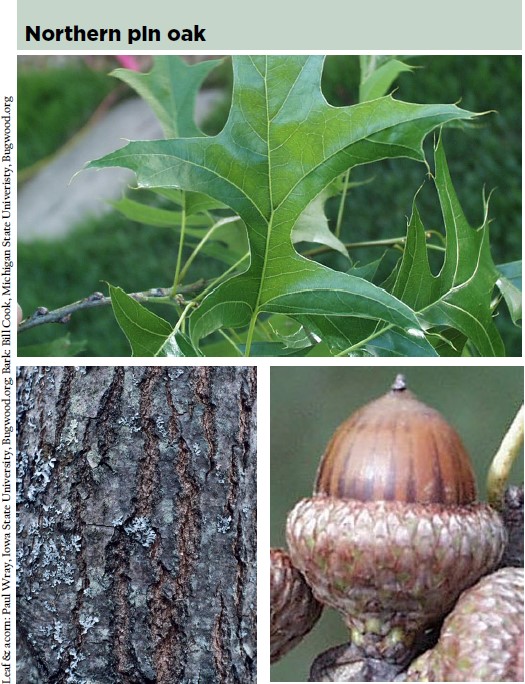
[293,608]
[482,638]
[393,535]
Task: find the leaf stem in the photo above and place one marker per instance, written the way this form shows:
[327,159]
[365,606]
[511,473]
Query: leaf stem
[221,278]
[203,241]
[362,343]
[340,211]
[179,324]
[230,341]
[503,460]
[249,336]
[182,317]
[388,242]
[177,277]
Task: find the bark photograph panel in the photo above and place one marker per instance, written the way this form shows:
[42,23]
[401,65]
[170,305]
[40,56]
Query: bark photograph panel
[136,542]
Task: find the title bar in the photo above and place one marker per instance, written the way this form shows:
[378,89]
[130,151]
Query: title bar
[273,25]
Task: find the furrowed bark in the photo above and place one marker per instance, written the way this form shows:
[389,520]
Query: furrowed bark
[136,492]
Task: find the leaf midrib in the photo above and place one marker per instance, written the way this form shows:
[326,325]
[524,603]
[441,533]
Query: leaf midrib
[255,312]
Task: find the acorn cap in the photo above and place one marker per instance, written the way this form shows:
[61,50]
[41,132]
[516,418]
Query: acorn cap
[397,449]
[293,608]
[391,568]
[482,638]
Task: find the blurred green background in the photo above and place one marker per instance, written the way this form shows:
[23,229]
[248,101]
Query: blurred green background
[307,405]
[488,155]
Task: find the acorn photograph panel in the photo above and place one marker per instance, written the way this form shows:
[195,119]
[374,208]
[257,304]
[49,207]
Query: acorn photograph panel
[396,506]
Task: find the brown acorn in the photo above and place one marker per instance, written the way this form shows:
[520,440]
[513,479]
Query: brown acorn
[392,535]
[482,638]
[293,609]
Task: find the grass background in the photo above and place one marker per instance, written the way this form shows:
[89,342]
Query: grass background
[55,101]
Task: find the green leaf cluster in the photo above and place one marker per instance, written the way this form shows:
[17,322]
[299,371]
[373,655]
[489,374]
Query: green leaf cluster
[282,154]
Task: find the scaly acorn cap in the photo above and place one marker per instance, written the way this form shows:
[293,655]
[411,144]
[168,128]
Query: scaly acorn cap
[293,608]
[482,638]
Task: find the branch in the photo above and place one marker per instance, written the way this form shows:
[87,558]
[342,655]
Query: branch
[63,315]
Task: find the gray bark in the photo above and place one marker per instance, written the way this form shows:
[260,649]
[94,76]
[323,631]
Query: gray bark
[136,495]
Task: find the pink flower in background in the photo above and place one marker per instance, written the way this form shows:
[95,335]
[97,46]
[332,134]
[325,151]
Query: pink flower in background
[128,62]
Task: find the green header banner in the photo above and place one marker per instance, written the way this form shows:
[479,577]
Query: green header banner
[273,25]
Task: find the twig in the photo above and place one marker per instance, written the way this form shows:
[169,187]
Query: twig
[63,315]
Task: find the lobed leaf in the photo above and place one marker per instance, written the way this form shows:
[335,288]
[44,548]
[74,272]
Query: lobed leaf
[459,297]
[170,88]
[281,146]
[376,79]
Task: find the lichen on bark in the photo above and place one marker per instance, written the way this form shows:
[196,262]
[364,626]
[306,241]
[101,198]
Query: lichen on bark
[136,491]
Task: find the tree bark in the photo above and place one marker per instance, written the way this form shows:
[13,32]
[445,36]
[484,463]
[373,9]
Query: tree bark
[136,495]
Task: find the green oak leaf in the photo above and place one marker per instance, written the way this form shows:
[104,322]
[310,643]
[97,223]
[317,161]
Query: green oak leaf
[157,216]
[146,332]
[378,74]
[177,344]
[281,146]
[509,284]
[459,296]
[170,89]
[362,337]
[312,225]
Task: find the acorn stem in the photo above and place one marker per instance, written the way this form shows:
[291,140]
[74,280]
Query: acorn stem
[503,460]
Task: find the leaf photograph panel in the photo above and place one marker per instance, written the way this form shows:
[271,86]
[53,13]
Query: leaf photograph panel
[281,146]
